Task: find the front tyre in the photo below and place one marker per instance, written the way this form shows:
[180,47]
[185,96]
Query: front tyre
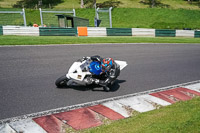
[62,81]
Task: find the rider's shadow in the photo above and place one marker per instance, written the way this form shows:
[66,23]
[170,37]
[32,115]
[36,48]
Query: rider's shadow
[114,87]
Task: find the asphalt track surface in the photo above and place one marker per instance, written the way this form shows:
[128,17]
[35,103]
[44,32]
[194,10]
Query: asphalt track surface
[28,73]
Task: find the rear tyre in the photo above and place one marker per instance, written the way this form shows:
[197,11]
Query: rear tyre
[61,82]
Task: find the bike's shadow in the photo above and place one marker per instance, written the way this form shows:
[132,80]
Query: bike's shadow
[114,87]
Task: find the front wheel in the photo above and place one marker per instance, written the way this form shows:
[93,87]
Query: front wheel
[62,81]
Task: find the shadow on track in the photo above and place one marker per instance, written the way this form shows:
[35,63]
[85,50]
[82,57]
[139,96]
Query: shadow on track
[114,88]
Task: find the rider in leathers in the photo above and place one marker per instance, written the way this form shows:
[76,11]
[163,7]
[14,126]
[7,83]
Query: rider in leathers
[110,71]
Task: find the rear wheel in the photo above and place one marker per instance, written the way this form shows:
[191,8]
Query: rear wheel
[62,81]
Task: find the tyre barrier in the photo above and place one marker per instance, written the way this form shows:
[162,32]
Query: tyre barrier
[1,30]
[96,32]
[20,30]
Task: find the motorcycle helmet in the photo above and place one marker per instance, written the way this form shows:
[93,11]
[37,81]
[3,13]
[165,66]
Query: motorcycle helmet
[106,64]
[95,68]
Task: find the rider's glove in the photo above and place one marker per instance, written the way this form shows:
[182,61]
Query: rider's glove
[84,58]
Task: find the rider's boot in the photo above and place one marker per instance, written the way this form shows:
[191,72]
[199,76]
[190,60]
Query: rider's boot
[106,88]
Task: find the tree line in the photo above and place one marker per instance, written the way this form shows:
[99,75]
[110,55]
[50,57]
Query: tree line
[37,3]
[91,3]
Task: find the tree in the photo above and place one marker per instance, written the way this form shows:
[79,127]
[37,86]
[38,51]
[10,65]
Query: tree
[89,3]
[154,3]
[194,2]
[33,3]
[151,3]
[93,3]
[109,3]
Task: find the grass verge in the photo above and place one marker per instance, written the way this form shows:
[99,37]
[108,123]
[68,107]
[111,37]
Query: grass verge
[156,18]
[42,40]
[182,117]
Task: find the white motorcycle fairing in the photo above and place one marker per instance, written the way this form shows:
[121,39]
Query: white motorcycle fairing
[79,71]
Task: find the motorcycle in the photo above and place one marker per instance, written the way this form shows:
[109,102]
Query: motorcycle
[79,72]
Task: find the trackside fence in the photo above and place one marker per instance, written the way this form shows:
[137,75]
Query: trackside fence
[48,16]
[5,16]
[96,32]
[105,15]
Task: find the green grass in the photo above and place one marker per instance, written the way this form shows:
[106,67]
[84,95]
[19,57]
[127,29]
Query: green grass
[182,117]
[26,40]
[32,16]
[130,14]
[137,18]
[156,18]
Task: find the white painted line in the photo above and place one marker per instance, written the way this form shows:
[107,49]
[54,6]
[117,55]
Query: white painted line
[27,126]
[117,107]
[5,128]
[137,103]
[90,44]
[155,100]
[195,87]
